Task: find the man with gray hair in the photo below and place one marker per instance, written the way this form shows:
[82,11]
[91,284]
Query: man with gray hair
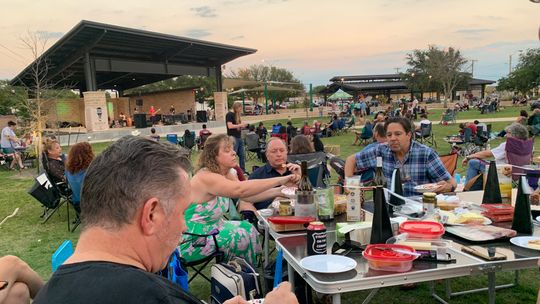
[132,214]
[476,166]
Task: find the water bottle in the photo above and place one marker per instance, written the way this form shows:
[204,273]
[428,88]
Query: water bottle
[457,176]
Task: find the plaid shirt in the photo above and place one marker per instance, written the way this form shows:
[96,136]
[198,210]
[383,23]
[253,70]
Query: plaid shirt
[421,165]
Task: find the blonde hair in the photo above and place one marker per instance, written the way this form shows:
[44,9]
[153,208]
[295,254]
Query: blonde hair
[208,157]
[48,144]
[236,107]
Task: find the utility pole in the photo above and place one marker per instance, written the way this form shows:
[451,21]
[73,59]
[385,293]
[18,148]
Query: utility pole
[510,65]
[397,70]
[472,66]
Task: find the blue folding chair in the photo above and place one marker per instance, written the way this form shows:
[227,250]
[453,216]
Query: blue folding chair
[61,254]
[172,138]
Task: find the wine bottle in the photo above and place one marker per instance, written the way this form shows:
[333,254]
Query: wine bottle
[379,179]
[305,196]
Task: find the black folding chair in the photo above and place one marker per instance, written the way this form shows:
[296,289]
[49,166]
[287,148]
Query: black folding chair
[199,240]
[425,135]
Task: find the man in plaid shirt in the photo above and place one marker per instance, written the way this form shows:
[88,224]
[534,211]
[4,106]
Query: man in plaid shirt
[417,163]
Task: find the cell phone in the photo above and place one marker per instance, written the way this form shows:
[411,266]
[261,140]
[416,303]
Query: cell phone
[488,254]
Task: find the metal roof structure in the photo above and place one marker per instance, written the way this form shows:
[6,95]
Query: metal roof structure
[381,83]
[96,56]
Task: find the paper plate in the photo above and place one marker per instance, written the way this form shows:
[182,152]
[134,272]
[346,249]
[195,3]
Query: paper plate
[422,188]
[523,241]
[538,218]
[328,263]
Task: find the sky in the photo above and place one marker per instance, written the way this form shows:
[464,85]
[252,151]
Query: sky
[314,39]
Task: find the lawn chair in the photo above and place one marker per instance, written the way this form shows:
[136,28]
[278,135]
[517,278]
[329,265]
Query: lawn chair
[188,140]
[316,162]
[172,138]
[61,254]
[448,117]
[481,138]
[253,148]
[425,135]
[450,162]
[199,240]
[519,152]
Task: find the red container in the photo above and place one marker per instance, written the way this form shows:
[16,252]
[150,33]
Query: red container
[422,230]
[383,257]
[497,209]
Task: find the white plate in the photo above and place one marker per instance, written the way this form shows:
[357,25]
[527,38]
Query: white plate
[523,241]
[327,263]
[538,218]
[422,190]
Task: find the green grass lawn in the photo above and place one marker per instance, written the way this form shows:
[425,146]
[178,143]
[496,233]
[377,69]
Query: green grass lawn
[25,236]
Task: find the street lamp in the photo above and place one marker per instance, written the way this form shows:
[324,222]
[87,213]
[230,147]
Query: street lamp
[510,59]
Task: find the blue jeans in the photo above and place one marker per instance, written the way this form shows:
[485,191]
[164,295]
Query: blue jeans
[239,149]
[475,167]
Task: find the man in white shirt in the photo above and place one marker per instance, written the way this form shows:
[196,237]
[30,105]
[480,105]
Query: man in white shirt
[8,142]
[424,121]
[476,166]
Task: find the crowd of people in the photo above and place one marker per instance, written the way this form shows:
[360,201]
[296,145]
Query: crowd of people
[134,216]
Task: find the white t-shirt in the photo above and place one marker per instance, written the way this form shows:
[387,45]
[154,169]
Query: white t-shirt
[500,154]
[4,140]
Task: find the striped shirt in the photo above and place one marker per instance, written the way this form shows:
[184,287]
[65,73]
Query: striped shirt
[421,165]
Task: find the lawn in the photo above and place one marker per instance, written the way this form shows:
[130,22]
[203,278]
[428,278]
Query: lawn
[25,236]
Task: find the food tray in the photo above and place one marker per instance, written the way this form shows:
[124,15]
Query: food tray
[479,233]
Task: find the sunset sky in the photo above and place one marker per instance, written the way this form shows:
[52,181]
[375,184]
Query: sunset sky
[314,39]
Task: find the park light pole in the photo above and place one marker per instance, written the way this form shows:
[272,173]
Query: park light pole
[510,60]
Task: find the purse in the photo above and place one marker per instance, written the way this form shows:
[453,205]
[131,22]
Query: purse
[236,277]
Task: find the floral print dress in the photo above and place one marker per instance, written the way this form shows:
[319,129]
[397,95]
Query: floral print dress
[235,238]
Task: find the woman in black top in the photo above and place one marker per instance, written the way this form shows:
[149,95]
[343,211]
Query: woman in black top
[234,127]
[55,161]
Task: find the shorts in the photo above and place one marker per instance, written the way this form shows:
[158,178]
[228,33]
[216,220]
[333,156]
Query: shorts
[8,150]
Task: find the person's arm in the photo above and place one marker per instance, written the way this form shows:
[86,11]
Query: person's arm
[350,165]
[217,185]
[14,272]
[478,155]
[438,172]
[230,118]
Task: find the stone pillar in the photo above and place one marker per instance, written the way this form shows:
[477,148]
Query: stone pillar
[95,111]
[220,105]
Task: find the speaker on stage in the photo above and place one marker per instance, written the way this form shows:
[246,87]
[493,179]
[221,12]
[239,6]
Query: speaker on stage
[140,120]
[201,116]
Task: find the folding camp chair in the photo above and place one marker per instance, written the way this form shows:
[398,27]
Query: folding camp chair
[252,146]
[61,254]
[519,152]
[172,138]
[199,240]
[425,135]
[450,162]
[188,142]
[316,163]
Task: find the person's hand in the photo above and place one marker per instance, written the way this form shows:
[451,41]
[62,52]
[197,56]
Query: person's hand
[294,168]
[281,295]
[293,180]
[443,187]
[236,300]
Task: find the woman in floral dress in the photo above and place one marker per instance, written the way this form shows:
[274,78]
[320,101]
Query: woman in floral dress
[214,184]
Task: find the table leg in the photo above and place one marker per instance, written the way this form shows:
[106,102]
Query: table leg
[290,272]
[491,287]
[265,245]
[336,298]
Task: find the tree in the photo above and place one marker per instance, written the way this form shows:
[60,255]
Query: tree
[446,68]
[271,76]
[526,76]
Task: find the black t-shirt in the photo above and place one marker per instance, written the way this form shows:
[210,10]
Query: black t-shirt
[230,117]
[106,282]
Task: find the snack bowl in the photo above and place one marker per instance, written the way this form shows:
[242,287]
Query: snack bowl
[426,230]
[389,257]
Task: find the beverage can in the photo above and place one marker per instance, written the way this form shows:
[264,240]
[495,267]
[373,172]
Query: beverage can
[316,238]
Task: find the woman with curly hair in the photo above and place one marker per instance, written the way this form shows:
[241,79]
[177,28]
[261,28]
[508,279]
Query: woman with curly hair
[79,158]
[214,185]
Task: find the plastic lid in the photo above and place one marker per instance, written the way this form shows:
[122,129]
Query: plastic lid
[423,227]
[385,252]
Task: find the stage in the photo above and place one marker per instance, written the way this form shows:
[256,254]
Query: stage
[70,136]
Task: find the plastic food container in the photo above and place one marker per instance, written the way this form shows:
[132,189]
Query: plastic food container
[422,230]
[383,257]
